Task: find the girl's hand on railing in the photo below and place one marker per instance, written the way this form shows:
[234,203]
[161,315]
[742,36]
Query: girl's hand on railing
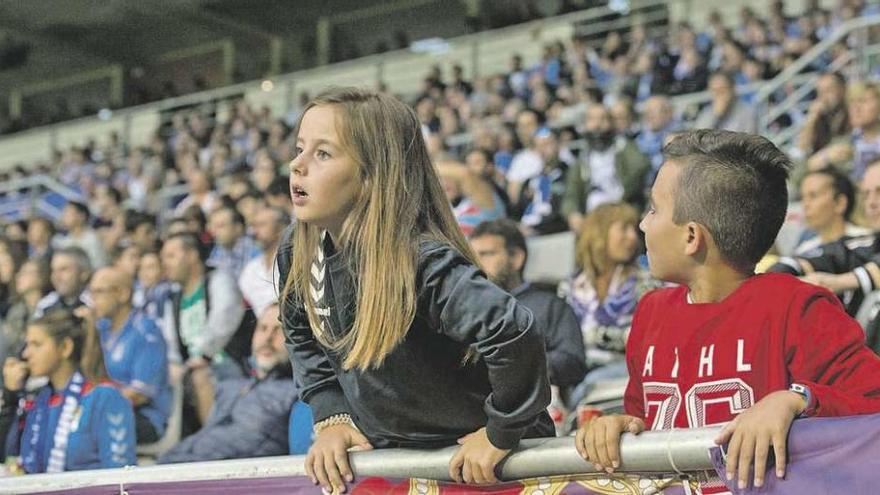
[598,441]
[327,459]
[475,461]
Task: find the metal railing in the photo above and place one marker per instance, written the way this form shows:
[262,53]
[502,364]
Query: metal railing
[856,65]
[682,450]
[801,85]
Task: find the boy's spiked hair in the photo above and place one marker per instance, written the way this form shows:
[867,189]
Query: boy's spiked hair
[734,184]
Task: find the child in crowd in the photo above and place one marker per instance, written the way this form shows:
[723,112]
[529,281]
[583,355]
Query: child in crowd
[728,346]
[397,338]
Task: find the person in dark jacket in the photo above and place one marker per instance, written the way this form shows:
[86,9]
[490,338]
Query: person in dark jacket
[502,252]
[397,339]
[250,414]
[850,266]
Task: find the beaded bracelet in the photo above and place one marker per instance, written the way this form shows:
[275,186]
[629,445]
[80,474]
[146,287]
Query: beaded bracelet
[336,419]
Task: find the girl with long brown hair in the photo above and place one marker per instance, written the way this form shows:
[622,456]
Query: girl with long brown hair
[397,339]
[77,421]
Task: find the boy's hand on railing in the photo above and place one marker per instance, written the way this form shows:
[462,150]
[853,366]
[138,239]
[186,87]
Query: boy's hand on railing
[327,459]
[755,430]
[475,461]
[598,441]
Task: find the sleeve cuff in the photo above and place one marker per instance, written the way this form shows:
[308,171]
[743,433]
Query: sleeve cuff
[813,405]
[327,402]
[504,438]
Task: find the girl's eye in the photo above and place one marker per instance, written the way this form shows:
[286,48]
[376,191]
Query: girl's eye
[323,155]
[297,151]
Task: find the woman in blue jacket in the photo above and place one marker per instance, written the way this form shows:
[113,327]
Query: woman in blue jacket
[78,420]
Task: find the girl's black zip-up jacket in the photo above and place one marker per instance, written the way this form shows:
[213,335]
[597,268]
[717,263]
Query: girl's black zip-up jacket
[422,396]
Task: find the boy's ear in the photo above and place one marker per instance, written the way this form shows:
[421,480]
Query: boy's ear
[696,238]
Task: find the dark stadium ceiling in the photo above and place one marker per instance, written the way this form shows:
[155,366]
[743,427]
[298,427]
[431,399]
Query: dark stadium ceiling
[40,14]
[134,31]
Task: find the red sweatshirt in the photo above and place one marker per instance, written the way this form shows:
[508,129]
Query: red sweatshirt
[693,365]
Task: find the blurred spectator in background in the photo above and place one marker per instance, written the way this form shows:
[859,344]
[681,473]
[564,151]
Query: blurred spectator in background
[828,198]
[75,222]
[611,169]
[31,284]
[151,291]
[201,192]
[473,199]
[726,111]
[12,255]
[623,115]
[527,161]
[70,273]
[658,125]
[539,208]
[278,194]
[259,278]
[828,118]
[126,257]
[605,289]
[40,232]
[501,250]
[134,351]
[480,162]
[76,421]
[141,230]
[204,315]
[855,152]
[233,248]
[251,414]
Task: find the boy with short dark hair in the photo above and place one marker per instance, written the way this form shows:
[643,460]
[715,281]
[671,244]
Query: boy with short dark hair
[755,351]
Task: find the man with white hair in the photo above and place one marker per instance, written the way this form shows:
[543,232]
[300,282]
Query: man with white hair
[658,124]
[251,414]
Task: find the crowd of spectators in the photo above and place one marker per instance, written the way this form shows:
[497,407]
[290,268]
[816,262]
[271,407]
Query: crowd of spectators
[570,143]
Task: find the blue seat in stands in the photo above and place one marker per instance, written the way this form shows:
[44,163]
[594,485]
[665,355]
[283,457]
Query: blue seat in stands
[299,433]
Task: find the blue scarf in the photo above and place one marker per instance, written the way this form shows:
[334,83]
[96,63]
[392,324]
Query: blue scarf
[35,441]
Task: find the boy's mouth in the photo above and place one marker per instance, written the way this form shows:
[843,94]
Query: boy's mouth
[298,192]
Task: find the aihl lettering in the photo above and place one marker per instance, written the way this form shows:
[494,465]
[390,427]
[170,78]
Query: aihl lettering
[705,364]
